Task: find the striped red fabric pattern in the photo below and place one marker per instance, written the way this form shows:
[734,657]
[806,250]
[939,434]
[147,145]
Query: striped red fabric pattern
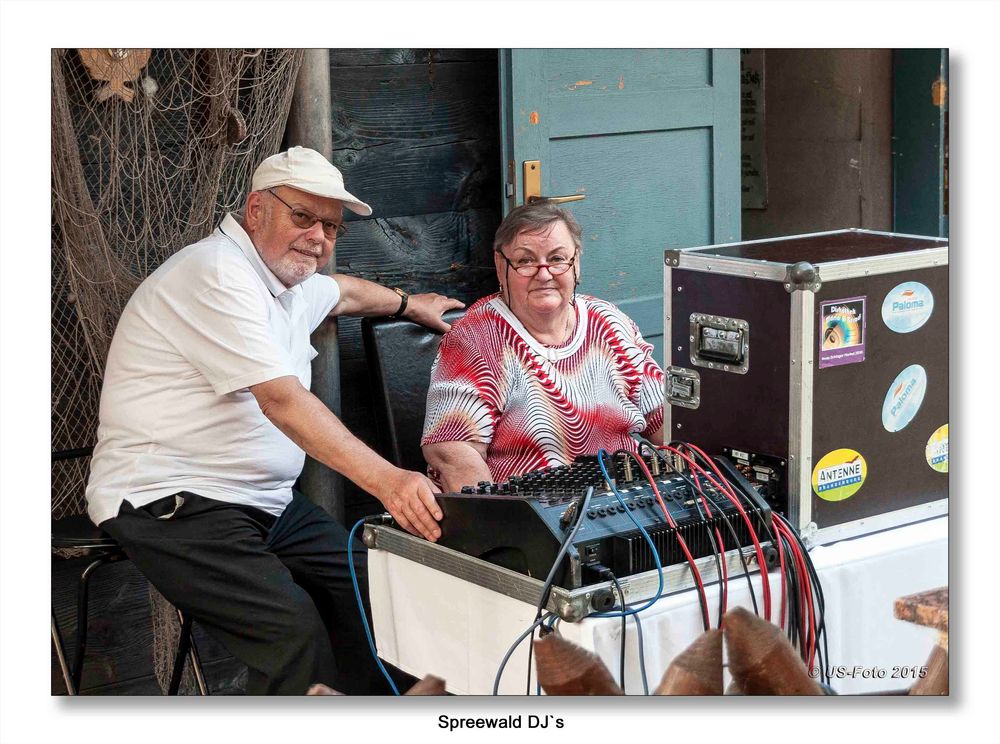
[535,406]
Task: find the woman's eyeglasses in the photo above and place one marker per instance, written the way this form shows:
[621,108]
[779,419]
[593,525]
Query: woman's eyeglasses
[305,220]
[527,268]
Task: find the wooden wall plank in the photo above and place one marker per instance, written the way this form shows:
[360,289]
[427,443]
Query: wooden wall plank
[417,138]
[409,104]
[416,134]
[399,179]
[362,57]
[400,249]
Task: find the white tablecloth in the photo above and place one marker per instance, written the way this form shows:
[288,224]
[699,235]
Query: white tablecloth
[427,622]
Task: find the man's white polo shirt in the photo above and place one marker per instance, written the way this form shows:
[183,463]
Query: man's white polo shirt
[176,414]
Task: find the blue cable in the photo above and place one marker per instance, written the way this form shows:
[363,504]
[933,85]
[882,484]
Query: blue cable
[550,624]
[513,647]
[601,454]
[547,584]
[642,656]
[632,611]
[361,606]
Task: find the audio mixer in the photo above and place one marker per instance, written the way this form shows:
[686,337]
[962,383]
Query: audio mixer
[521,523]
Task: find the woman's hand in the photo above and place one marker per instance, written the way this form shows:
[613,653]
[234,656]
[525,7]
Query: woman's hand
[459,463]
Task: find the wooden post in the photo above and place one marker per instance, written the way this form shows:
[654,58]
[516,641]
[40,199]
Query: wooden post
[929,609]
[309,125]
[697,670]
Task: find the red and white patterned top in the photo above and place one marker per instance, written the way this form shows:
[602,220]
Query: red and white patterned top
[534,406]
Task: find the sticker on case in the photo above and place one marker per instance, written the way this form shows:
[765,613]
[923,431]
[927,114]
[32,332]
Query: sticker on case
[903,399]
[907,307]
[842,332]
[936,451]
[839,474]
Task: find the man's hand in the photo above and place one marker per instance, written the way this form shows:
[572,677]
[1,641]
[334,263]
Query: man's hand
[409,497]
[303,418]
[367,299]
[427,309]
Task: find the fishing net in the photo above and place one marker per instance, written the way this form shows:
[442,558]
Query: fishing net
[150,148]
[140,168]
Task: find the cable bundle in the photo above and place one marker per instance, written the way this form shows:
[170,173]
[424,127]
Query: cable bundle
[718,499]
[802,607]
[803,618]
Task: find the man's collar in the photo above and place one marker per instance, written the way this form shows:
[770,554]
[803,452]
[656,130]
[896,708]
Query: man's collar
[232,229]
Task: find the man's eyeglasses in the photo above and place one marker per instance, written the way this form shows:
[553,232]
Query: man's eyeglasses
[557,267]
[305,220]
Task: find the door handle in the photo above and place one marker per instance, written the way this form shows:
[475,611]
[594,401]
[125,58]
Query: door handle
[533,186]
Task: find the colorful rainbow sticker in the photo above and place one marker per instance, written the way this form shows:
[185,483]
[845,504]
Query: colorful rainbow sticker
[841,329]
[842,332]
[936,451]
[839,474]
[903,399]
[907,307]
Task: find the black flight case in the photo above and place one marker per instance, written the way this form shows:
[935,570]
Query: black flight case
[819,363]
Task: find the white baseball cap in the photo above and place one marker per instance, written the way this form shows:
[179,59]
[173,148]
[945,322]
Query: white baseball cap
[306,170]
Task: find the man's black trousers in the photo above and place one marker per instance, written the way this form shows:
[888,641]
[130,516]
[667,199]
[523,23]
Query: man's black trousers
[276,593]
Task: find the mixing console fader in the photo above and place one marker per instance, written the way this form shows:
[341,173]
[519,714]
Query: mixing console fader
[521,523]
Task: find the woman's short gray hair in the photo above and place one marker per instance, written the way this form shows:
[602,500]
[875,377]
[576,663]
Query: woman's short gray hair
[535,218]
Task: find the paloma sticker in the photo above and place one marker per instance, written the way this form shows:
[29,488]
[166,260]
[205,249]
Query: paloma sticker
[907,307]
[936,451]
[903,399]
[839,474]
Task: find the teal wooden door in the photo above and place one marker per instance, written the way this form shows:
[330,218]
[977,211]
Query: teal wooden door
[650,136]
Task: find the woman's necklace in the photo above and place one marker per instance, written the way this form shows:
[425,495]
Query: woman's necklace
[552,350]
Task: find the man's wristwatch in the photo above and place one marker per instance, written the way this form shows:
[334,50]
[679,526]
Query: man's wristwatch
[403,299]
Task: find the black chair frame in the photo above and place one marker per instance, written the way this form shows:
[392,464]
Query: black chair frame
[400,355]
[77,537]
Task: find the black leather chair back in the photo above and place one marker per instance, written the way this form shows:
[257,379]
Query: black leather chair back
[400,355]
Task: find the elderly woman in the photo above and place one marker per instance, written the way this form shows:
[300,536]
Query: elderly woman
[537,374]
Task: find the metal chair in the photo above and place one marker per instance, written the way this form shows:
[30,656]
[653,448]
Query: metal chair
[78,537]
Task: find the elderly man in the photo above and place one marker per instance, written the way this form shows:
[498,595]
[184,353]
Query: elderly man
[206,417]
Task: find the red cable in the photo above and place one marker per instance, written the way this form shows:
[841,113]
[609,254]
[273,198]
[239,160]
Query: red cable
[724,578]
[802,609]
[731,496]
[784,588]
[811,645]
[680,540]
[809,630]
[807,608]
[728,492]
[766,584]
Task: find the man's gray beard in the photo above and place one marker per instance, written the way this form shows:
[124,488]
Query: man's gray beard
[289,272]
